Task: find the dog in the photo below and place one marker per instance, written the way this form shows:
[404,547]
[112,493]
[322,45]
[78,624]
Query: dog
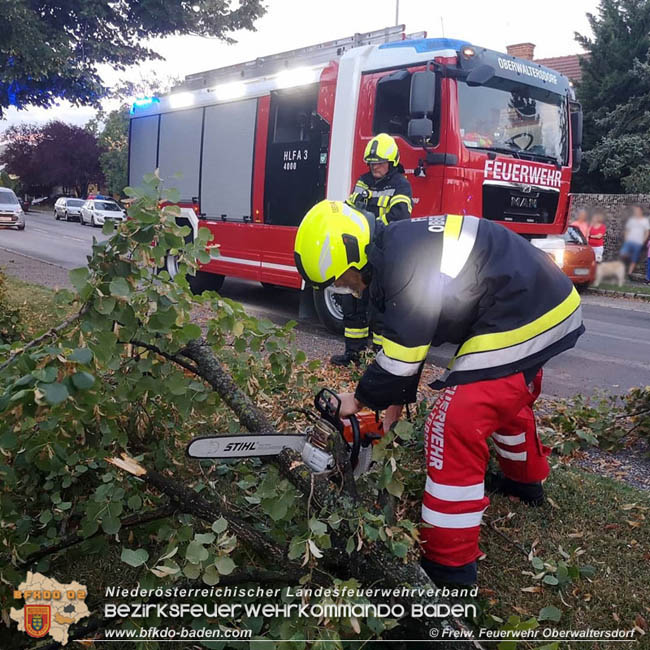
[610,270]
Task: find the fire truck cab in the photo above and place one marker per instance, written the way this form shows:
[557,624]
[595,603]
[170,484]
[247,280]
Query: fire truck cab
[252,147]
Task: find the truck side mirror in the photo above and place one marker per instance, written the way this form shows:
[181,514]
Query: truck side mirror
[575,111]
[423,93]
[420,129]
[480,75]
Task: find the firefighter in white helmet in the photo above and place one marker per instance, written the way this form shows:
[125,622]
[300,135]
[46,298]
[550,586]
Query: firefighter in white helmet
[385,192]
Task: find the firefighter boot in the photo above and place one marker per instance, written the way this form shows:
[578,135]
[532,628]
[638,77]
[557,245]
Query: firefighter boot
[345,359]
[532,494]
[450,575]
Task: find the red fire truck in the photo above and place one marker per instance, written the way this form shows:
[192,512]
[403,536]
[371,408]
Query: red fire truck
[251,147]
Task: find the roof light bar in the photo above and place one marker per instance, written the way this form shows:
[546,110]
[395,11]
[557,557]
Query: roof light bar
[233,90]
[297,77]
[181,100]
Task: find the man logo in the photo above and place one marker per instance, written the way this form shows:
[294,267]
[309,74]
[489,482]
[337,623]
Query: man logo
[37,620]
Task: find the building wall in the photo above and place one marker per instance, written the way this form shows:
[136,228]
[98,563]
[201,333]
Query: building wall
[616,208]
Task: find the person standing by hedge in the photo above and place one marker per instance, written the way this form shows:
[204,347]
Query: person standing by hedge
[597,233]
[637,228]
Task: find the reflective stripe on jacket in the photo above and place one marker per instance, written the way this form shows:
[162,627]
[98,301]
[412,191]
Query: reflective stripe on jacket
[389,198]
[468,281]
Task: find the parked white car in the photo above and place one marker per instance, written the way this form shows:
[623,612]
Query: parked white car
[11,214]
[96,211]
[68,208]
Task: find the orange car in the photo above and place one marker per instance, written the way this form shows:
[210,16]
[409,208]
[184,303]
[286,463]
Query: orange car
[579,260]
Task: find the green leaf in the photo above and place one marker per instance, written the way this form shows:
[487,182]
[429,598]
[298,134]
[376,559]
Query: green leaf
[550,580]
[549,613]
[8,441]
[135,502]
[317,527]
[587,571]
[400,549]
[211,576]
[105,305]
[192,571]
[537,563]
[110,525]
[83,380]
[134,558]
[196,553]
[54,393]
[89,527]
[225,565]
[120,287]
[396,488]
[220,525]
[79,277]
[47,375]
[204,538]
[81,355]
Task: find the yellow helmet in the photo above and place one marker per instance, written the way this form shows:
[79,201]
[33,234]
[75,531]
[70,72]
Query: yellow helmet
[382,148]
[331,239]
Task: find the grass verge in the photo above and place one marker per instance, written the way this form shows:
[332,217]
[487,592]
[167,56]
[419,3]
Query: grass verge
[626,288]
[588,521]
[37,305]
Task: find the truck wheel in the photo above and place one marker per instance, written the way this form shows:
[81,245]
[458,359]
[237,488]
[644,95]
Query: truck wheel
[200,282]
[328,308]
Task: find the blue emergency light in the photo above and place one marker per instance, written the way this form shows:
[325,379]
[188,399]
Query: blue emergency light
[143,102]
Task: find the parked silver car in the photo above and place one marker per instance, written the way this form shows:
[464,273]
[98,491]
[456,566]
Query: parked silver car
[68,208]
[11,214]
[96,211]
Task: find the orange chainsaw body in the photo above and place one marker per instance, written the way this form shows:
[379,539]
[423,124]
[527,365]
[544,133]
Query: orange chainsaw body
[369,426]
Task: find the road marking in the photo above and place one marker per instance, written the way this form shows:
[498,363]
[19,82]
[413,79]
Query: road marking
[50,232]
[614,336]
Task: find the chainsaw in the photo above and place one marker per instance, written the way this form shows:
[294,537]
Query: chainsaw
[360,432]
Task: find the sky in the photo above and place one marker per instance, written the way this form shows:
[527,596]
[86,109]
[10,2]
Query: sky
[289,24]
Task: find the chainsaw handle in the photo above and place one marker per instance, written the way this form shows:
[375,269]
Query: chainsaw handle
[356,441]
[328,404]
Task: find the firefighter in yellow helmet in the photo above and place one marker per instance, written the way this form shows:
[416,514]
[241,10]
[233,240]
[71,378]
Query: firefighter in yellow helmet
[509,308]
[385,192]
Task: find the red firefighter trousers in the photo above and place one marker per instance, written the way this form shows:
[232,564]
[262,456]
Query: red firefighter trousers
[457,453]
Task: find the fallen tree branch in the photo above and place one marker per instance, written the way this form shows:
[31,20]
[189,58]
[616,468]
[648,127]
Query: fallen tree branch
[373,564]
[43,337]
[171,357]
[75,538]
[190,502]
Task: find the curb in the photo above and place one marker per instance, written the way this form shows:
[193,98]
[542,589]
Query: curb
[620,294]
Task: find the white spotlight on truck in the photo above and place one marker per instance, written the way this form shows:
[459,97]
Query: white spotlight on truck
[181,100]
[233,90]
[297,77]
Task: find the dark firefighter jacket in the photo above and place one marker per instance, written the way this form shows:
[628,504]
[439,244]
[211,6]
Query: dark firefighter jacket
[388,198]
[468,281]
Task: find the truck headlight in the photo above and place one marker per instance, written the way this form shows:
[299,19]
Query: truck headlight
[558,257]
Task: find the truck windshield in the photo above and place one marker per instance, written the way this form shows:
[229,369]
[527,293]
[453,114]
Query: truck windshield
[521,119]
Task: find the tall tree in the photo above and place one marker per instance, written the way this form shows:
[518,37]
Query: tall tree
[52,155]
[51,49]
[613,76]
[20,155]
[114,144]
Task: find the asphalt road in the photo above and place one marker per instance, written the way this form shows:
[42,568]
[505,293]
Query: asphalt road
[62,243]
[613,354]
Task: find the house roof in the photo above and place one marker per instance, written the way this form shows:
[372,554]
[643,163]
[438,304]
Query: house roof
[568,65]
